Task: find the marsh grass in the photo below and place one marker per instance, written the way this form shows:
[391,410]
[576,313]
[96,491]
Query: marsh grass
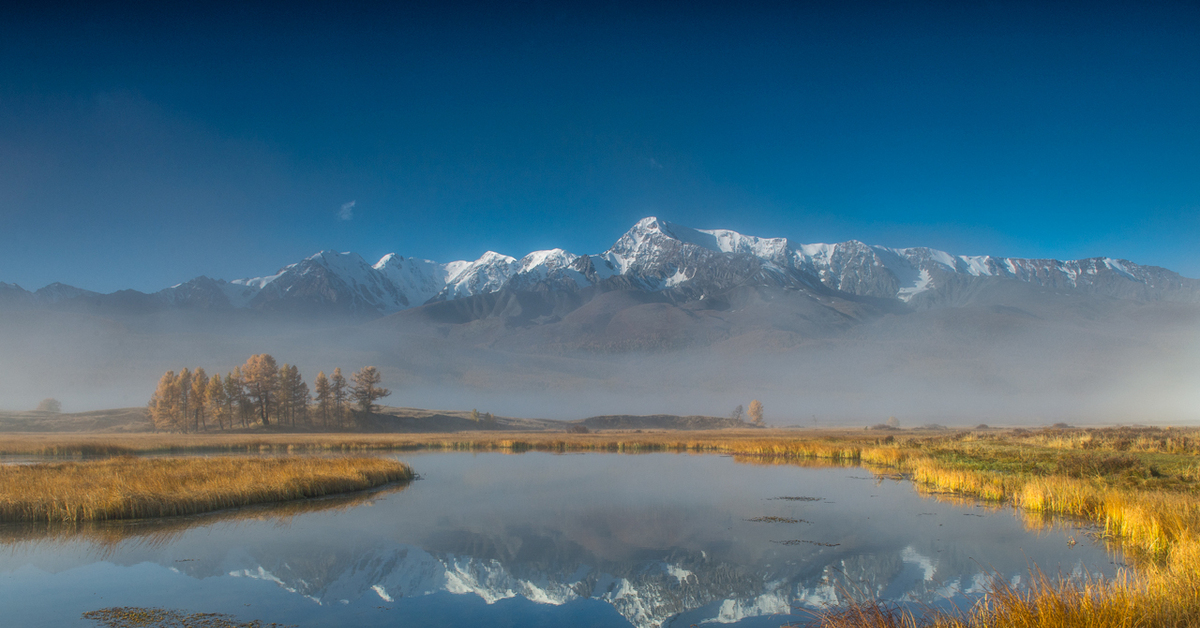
[158,532]
[134,488]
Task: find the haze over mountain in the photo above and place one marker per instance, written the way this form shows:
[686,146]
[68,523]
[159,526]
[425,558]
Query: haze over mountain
[668,319]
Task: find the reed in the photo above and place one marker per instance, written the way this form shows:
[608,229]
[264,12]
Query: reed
[132,488]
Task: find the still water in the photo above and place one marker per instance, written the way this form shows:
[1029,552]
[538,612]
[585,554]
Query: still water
[547,540]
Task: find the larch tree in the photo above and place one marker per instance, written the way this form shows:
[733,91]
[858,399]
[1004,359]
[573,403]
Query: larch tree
[185,400]
[217,402]
[260,375]
[164,401]
[235,393]
[366,388]
[296,395]
[324,398]
[199,398]
[283,395]
[756,412]
[340,393]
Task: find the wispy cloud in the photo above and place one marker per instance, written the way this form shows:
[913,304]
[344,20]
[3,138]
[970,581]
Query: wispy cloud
[347,211]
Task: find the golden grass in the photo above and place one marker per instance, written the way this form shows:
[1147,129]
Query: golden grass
[133,488]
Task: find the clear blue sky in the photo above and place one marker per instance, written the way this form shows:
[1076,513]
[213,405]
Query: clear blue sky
[140,147]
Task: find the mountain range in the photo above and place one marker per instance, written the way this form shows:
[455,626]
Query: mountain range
[654,256]
[668,320]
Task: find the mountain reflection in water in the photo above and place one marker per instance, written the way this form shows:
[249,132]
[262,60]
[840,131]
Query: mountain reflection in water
[541,539]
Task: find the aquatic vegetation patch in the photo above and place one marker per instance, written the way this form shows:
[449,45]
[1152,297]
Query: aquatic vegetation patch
[134,488]
[774,519]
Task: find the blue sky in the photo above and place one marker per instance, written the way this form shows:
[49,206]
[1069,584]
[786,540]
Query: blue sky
[140,147]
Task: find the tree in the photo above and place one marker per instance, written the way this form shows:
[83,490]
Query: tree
[738,413]
[235,396]
[165,402]
[260,376]
[324,398]
[474,415]
[185,394]
[337,385]
[199,398]
[365,390]
[217,401]
[296,396]
[893,422]
[49,405]
[284,395]
[756,412]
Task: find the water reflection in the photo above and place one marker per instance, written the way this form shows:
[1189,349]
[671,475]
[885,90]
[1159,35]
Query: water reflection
[539,539]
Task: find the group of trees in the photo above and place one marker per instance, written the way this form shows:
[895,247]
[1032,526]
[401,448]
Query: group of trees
[261,391]
[756,413]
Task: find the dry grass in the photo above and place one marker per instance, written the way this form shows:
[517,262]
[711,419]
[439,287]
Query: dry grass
[132,488]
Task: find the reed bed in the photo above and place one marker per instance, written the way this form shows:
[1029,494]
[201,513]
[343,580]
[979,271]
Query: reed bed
[133,488]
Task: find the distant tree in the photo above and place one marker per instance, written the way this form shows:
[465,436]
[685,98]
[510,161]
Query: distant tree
[893,422]
[297,395]
[49,405]
[738,413]
[489,419]
[340,393]
[474,415]
[199,398]
[164,403]
[217,401]
[285,394]
[185,398]
[324,398]
[260,376]
[235,397]
[366,388]
[756,412]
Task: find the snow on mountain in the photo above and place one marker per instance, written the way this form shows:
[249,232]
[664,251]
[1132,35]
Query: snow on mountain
[486,274]
[418,279]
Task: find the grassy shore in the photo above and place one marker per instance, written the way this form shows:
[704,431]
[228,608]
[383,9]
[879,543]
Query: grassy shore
[133,488]
[1141,485]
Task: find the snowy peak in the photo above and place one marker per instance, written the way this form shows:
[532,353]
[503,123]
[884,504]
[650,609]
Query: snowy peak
[486,274]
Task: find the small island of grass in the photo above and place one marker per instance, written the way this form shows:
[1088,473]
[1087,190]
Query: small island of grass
[135,488]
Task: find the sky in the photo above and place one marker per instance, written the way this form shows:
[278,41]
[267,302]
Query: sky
[141,146]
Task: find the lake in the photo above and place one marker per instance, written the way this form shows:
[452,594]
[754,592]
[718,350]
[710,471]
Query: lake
[540,539]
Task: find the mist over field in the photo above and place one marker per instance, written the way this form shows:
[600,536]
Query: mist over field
[1056,358]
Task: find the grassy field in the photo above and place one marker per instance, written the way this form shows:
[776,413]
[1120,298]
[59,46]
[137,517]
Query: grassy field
[1141,485]
[134,488]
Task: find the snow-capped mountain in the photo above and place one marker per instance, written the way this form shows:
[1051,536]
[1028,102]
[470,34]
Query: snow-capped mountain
[653,256]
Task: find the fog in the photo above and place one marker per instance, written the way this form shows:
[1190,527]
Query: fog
[1116,362]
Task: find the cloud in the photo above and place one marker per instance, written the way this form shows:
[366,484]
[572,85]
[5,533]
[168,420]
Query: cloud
[347,211]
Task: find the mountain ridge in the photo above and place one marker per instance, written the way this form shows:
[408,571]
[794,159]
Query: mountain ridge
[653,256]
